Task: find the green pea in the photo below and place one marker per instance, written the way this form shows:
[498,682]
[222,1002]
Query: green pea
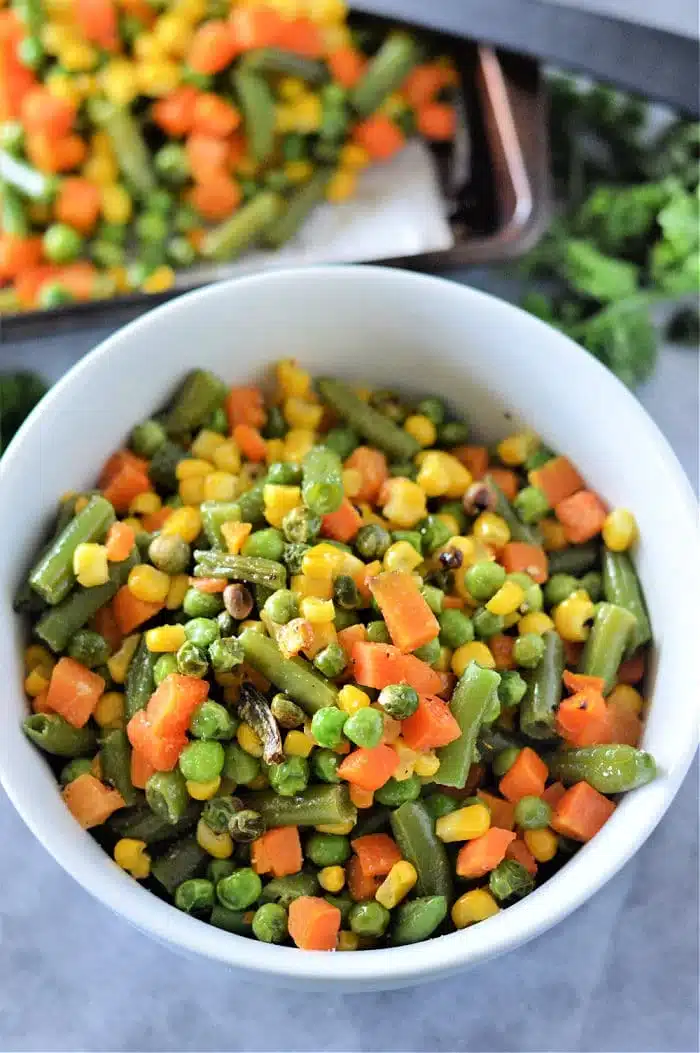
[398,700]
[290,777]
[152,227]
[327,850]
[282,606]
[395,792]
[240,766]
[342,441]
[511,689]
[372,541]
[412,536]
[429,652]
[268,543]
[365,728]
[487,624]
[114,233]
[439,804]
[293,556]
[225,654]
[454,433]
[194,895]
[528,650]
[147,438]
[89,648]
[301,525]
[327,726]
[74,769]
[198,604]
[510,880]
[377,632]
[165,666]
[169,553]
[346,595]
[455,628]
[592,583]
[504,760]
[532,813]
[432,408]
[201,631]
[186,219]
[172,164]
[559,588]
[325,764]
[61,243]
[106,255]
[239,890]
[181,253]
[331,661]
[270,923]
[211,720]
[434,597]
[202,761]
[191,661]
[369,918]
[534,599]
[284,473]
[531,504]
[166,795]
[484,579]
[220,868]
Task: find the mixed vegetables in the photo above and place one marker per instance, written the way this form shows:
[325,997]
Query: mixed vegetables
[165,133]
[322,671]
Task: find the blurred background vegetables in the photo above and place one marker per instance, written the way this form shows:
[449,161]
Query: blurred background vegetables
[19,394]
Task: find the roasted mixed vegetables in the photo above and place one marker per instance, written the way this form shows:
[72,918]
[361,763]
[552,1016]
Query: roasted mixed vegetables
[322,671]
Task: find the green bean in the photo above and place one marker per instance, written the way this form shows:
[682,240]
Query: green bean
[115,758]
[230,920]
[258,107]
[286,63]
[519,531]
[621,586]
[418,919]
[214,514]
[56,736]
[470,702]
[285,889]
[195,402]
[297,207]
[143,824]
[369,422]
[576,560]
[166,795]
[234,235]
[294,676]
[609,640]
[13,219]
[60,623]
[182,861]
[414,832]
[53,577]
[608,769]
[322,480]
[314,806]
[140,684]
[213,563]
[543,691]
[161,470]
[130,150]
[386,72]
[30,182]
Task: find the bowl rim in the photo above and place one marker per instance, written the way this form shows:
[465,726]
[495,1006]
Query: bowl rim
[582,876]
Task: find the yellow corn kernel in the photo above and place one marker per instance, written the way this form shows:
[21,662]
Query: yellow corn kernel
[307,113]
[474,906]
[302,414]
[78,56]
[402,556]
[336,828]
[352,155]
[352,482]
[542,843]
[134,522]
[427,765]
[249,740]
[54,37]
[179,584]
[571,615]
[191,10]
[63,86]
[220,846]
[292,379]
[205,445]
[298,171]
[331,879]
[320,588]
[472,652]
[117,205]
[38,655]
[421,428]
[90,564]
[120,277]
[351,699]
[203,791]
[220,486]
[553,535]
[173,33]
[393,105]
[619,530]
[186,522]
[318,612]
[235,534]
[444,662]
[159,280]
[81,503]
[278,501]
[406,503]
[274,450]
[492,529]
[342,185]
[433,475]
[120,661]
[148,584]
[145,504]
[323,560]
[158,76]
[326,12]
[192,468]
[465,824]
[291,88]
[348,941]
[516,449]
[131,855]
[297,444]
[109,711]
[119,82]
[101,170]
[627,697]
[335,36]
[297,744]
[407,760]
[507,599]
[324,633]
[191,491]
[166,639]
[397,884]
[535,622]
[227,457]
[37,681]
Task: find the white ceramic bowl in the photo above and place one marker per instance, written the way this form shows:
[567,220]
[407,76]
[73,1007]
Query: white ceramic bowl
[391,329]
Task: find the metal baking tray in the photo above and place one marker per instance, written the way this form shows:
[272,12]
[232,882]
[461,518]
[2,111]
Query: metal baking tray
[495,180]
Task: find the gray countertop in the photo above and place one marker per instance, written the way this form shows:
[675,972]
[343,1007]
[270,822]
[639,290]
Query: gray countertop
[618,975]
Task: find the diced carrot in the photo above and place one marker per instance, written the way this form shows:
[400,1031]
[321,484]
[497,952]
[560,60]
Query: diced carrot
[141,770]
[484,853]
[29,282]
[425,82]
[161,753]
[361,886]
[174,113]
[130,612]
[520,853]
[104,622]
[380,136]
[364,575]
[237,150]
[576,682]
[347,65]
[431,726]
[256,27]
[206,155]
[378,665]
[172,704]
[125,486]
[502,812]
[209,585]
[44,113]
[409,619]
[155,520]
[361,798]
[90,801]
[214,116]
[78,204]
[55,155]
[518,556]
[74,691]
[314,923]
[453,603]
[501,647]
[120,542]
[553,794]
[18,254]
[369,768]
[372,466]
[475,458]
[557,479]
[581,812]
[582,719]
[217,197]
[303,37]
[343,524]
[40,703]
[347,638]
[582,515]
[632,669]
[250,442]
[506,481]
[437,121]
[245,405]
[377,854]
[15,79]
[116,462]
[213,47]
[277,852]
[139,9]
[525,778]
[624,726]
[78,278]
[97,21]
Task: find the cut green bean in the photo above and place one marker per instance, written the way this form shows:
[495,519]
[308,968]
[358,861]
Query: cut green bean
[314,806]
[231,920]
[30,182]
[130,150]
[322,480]
[414,832]
[166,795]
[519,531]
[214,514]
[140,684]
[471,700]
[53,576]
[294,676]
[608,769]
[576,560]
[621,587]
[142,823]
[369,422]
[285,889]
[418,919]
[258,107]
[285,63]
[13,219]
[115,758]
[195,402]
[543,693]
[55,735]
[609,640]
[297,207]
[234,235]
[182,861]
[386,72]
[256,570]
